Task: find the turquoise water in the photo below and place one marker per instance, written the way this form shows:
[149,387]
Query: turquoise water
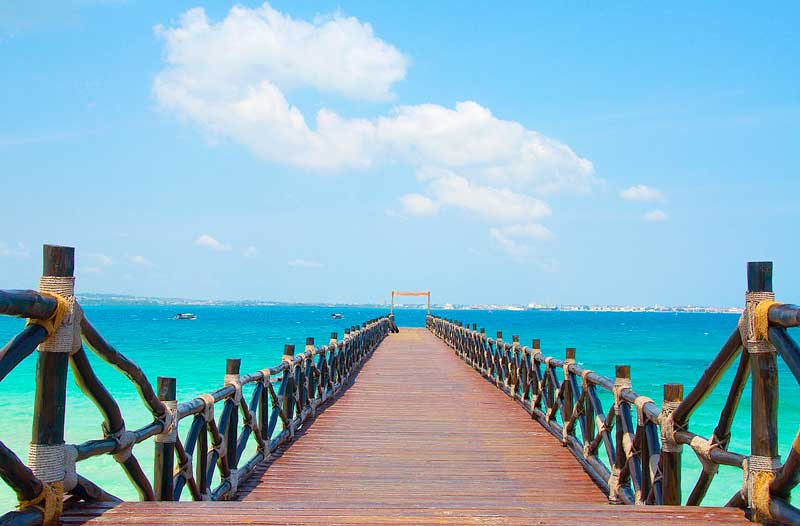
[660,348]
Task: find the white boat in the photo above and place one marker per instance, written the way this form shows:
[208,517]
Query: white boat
[337,316]
[184,316]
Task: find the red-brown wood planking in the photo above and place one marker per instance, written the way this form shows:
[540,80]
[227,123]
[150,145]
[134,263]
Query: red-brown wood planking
[419,438]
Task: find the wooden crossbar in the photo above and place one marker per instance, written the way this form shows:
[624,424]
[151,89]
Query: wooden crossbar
[411,293]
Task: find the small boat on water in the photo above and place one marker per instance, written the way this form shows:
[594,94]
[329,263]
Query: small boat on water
[337,316]
[184,316]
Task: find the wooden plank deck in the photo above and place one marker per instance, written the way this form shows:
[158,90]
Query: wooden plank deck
[419,438]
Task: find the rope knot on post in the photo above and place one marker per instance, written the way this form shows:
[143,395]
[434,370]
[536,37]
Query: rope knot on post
[63,327]
[759,472]
[50,501]
[169,423]
[666,423]
[755,328]
[208,407]
[620,384]
[233,381]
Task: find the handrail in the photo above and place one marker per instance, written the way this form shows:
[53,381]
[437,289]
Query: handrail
[206,458]
[633,449]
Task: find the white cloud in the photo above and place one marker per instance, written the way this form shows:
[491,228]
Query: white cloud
[642,192]
[493,204]
[207,241]
[231,78]
[333,53]
[101,259]
[250,251]
[418,205]
[304,263]
[514,238]
[655,215]
[141,261]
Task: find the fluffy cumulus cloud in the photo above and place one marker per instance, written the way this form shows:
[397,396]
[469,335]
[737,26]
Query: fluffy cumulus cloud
[234,78]
[211,243]
[642,192]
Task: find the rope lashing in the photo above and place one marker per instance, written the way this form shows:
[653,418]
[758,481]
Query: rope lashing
[620,384]
[54,466]
[169,433]
[208,407]
[233,381]
[761,321]
[755,326]
[666,423]
[50,501]
[702,449]
[125,442]
[640,402]
[759,472]
[63,326]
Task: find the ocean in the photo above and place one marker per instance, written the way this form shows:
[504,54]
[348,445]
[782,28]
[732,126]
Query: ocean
[660,348]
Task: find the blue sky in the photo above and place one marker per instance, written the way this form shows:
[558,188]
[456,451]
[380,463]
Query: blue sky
[333,151]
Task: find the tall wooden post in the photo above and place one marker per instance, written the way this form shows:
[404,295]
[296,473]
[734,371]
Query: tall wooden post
[47,440]
[622,380]
[165,444]
[764,381]
[670,451]
[569,399]
[232,366]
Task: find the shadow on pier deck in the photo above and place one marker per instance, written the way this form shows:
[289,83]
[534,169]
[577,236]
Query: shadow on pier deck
[419,438]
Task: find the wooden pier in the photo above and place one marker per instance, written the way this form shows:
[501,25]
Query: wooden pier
[418,438]
[434,425]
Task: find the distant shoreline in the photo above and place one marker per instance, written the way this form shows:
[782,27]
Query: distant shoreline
[121,299]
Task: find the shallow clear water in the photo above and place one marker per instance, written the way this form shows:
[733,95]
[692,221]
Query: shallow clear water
[660,348]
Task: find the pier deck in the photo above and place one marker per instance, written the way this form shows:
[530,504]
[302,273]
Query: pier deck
[418,438]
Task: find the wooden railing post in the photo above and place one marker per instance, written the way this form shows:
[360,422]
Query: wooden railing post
[671,453]
[288,387]
[619,476]
[232,368]
[165,443]
[46,455]
[764,460]
[568,395]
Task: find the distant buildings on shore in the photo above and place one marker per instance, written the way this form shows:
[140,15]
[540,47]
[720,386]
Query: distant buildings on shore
[592,308]
[118,299]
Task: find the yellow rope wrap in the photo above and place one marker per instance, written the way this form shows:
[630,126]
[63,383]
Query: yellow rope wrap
[762,319]
[52,496]
[761,496]
[52,323]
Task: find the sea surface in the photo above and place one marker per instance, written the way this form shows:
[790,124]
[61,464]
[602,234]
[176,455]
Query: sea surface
[660,348]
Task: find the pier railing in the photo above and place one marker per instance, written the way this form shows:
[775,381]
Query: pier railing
[633,449]
[206,459]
